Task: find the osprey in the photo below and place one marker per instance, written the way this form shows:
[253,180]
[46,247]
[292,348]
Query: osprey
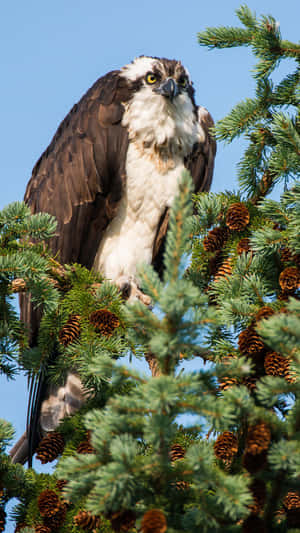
[110,175]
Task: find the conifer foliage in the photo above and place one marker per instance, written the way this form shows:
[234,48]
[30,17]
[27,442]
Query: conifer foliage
[211,450]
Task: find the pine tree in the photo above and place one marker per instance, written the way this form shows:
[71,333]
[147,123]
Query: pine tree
[210,450]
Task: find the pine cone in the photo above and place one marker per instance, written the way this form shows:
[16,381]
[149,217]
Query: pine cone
[254,463]
[225,270]
[258,438]
[254,524]
[244,246]
[237,217]
[250,343]
[56,520]
[249,382]
[85,446]
[215,262]
[289,279]
[226,446]
[70,331]
[215,239]
[259,493]
[177,452]
[104,321]
[291,504]
[50,447]
[227,383]
[264,312]
[154,521]
[276,365]
[2,519]
[41,528]
[182,485]
[285,255]
[122,521]
[61,483]
[86,520]
[18,285]
[291,501]
[48,503]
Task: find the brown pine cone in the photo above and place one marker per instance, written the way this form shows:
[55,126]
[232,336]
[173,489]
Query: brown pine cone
[50,447]
[249,382]
[226,446]
[70,331]
[289,279]
[244,246]
[2,519]
[291,504]
[104,322]
[250,343]
[227,383]
[177,452]
[182,485]
[264,312]
[154,521]
[61,483]
[254,524]
[237,217]
[215,262]
[259,493]
[254,463]
[215,239]
[276,365]
[291,501]
[85,446]
[258,438]
[86,520]
[48,503]
[56,520]
[285,255]
[225,270]
[122,521]
[18,285]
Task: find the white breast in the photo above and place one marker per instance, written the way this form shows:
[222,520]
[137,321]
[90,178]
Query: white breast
[128,240]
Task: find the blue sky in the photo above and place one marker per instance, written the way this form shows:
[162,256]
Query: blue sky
[52,52]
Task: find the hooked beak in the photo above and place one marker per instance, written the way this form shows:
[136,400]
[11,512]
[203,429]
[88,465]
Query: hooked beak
[168,88]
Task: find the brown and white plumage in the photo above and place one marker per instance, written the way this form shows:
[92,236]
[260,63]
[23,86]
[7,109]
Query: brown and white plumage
[111,171]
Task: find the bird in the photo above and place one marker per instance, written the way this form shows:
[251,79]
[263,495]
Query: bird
[109,176]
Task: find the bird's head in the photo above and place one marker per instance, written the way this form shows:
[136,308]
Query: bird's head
[166,78]
[160,114]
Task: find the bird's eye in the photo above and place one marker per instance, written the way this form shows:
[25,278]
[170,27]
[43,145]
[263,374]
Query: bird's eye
[183,81]
[151,78]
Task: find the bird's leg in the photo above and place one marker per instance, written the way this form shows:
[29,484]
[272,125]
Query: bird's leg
[131,291]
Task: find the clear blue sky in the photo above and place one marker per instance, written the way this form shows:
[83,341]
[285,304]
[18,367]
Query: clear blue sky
[52,52]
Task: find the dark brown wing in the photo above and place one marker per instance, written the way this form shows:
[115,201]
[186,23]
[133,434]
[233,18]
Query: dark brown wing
[200,163]
[78,179]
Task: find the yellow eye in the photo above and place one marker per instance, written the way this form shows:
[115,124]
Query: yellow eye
[151,78]
[182,81]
